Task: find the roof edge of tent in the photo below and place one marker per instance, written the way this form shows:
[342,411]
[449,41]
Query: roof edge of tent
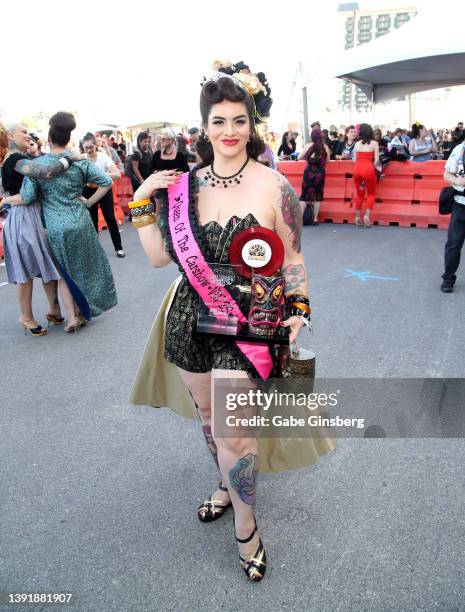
[347,75]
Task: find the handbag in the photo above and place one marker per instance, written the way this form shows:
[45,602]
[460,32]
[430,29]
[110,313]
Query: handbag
[307,218]
[446,200]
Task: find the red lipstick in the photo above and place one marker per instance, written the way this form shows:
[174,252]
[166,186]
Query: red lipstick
[230,142]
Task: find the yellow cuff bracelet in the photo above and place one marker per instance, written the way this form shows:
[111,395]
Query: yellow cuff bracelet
[144,220]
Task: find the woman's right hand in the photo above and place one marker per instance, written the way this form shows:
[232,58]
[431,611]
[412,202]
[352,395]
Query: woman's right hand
[156,181]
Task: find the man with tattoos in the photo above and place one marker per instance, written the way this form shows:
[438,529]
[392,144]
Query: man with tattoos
[229,192]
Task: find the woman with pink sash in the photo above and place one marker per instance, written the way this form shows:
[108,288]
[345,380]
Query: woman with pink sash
[197,216]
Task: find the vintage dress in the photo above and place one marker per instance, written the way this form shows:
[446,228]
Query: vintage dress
[25,245]
[158,382]
[72,237]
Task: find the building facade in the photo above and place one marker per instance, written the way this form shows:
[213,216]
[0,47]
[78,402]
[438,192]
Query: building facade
[358,27]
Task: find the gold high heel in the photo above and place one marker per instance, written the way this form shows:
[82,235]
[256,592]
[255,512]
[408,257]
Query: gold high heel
[212,509]
[34,331]
[253,565]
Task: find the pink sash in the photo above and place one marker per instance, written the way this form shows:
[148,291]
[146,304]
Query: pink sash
[200,275]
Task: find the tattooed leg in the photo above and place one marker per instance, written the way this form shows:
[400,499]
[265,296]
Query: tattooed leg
[207,432]
[238,459]
[243,478]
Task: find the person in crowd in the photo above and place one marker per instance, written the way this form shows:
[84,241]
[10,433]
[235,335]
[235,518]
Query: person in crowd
[364,175]
[458,133]
[141,161]
[397,144]
[213,215]
[103,146]
[315,124]
[447,146]
[122,151]
[26,249]
[169,158]
[454,174]
[194,133]
[382,144]
[86,284]
[35,148]
[334,143]
[422,144]
[181,144]
[107,204]
[288,145]
[317,154]
[345,150]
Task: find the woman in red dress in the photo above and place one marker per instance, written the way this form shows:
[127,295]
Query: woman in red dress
[366,159]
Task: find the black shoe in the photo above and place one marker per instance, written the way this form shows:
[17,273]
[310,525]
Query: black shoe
[253,565]
[212,509]
[447,286]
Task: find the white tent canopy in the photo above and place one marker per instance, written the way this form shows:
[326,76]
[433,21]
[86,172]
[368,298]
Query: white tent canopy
[426,53]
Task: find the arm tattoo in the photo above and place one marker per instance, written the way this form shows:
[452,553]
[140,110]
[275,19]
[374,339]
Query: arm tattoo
[243,478]
[291,213]
[295,276]
[38,170]
[207,432]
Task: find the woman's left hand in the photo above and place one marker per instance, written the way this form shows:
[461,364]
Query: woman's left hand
[84,200]
[296,324]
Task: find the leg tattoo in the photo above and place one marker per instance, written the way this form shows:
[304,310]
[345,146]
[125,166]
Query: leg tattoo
[207,432]
[243,478]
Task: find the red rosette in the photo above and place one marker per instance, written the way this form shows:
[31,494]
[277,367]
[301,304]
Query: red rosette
[257,249]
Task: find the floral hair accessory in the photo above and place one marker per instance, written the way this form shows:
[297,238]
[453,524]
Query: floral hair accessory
[256,85]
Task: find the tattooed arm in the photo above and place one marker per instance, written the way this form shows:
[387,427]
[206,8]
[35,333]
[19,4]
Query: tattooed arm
[35,168]
[288,224]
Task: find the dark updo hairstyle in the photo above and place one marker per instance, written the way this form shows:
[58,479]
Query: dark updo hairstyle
[91,137]
[61,126]
[214,92]
[365,133]
[416,127]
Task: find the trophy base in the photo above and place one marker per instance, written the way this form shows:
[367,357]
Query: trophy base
[229,328]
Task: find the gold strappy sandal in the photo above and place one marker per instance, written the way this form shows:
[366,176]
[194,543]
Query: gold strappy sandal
[253,565]
[212,509]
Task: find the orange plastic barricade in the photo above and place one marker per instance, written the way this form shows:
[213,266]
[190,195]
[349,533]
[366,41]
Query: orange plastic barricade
[407,195]
[119,216]
[122,192]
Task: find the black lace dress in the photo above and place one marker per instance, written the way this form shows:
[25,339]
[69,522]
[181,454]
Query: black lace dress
[182,347]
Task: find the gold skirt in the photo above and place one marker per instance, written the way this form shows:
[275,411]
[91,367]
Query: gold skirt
[158,384]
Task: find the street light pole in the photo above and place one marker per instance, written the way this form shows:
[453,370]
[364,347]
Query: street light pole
[304,107]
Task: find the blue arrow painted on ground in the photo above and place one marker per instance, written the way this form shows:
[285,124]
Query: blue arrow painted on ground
[366,275]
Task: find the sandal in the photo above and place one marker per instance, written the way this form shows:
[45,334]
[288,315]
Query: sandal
[54,320]
[212,509]
[253,565]
[366,221]
[358,221]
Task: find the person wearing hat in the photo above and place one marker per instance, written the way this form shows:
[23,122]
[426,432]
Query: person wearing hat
[194,134]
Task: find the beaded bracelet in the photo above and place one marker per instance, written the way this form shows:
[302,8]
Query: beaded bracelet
[142,210]
[139,203]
